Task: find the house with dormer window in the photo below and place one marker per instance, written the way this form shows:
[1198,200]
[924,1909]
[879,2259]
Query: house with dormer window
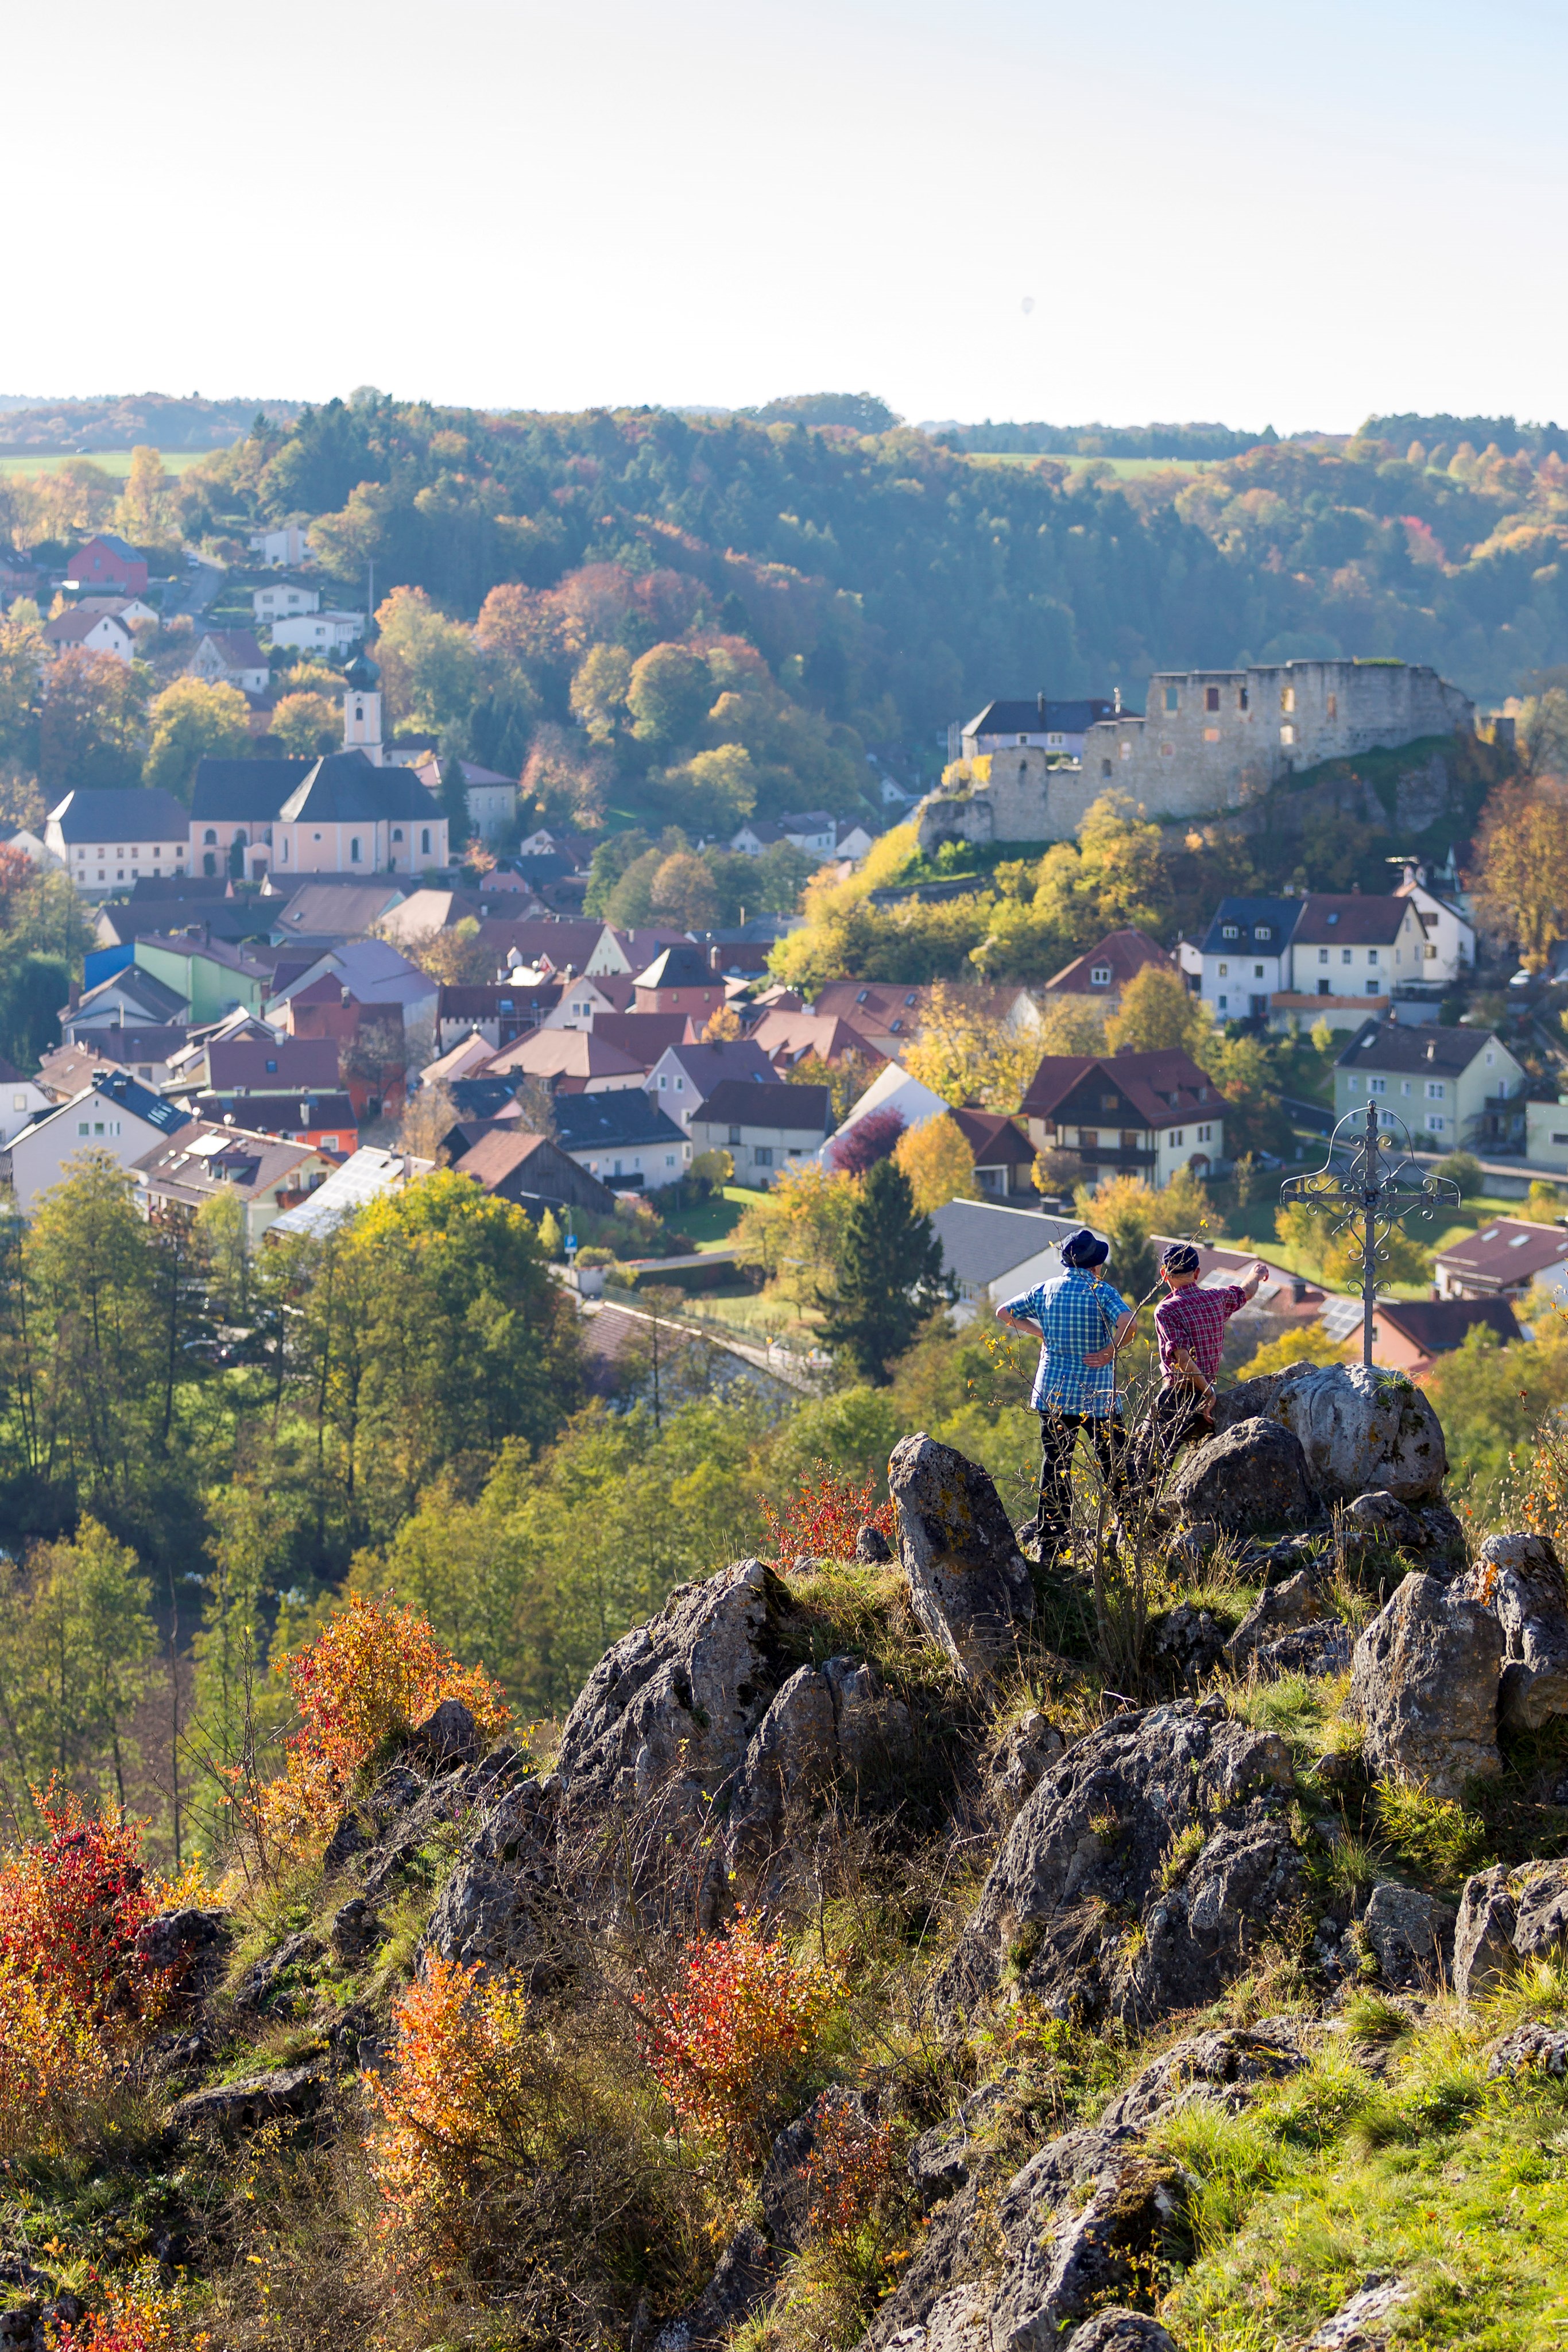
[1450,1088]
[1243,958]
[1103,971]
[1347,948]
[1147,1115]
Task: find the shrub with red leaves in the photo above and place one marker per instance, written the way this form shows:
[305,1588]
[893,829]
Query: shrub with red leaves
[852,2168]
[739,2019]
[875,1137]
[70,1907]
[822,1517]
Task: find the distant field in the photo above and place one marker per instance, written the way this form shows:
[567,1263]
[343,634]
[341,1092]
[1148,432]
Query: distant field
[1124,466]
[113,461]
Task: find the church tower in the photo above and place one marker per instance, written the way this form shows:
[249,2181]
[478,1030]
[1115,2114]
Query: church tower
[362,709]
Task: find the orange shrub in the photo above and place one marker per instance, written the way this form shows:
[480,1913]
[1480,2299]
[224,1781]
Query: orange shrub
[739,2021]
[70,1907]
[53,2067]
[375,1670]
[453,2103]
[139,2315]
[852,2168]
[822,1517]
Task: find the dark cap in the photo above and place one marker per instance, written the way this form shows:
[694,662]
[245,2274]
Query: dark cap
[1084,1248]
[1180,1257]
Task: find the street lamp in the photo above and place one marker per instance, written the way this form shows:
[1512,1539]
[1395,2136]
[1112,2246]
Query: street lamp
[1368,1192]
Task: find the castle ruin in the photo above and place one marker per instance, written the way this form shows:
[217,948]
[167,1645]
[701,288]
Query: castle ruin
[1212,740]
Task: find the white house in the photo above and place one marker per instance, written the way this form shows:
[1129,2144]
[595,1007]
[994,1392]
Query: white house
[684,1076]
[893,1089]
[1244,958]
[129,609]
[21,1099]
[230,657]
[91,633]
[116,1114]
[1450,936]
[319,632]
[281,549]
[490,799]
[103,838]
[1345,950]
[811,830]
[282,599]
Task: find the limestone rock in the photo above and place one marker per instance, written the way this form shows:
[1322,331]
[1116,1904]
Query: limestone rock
[1520,1579]
[1280,1608]
[1250,1479]
[1410,1932]
[840,2116]
[873,1547]
[1117,2329]
[1088,1857]
[1025,1754]
[447,1736]
[1533,2049]
[1222,2068]
[1541,1896]
[1324,1647]
[492,1906]
[355,1931]
[675,1703]
[262,1985]
[1188,1640]
[1363,2324]
[745,2275]
[1425,1682]
[1431,1534]
[969,1585]
[1483,1932]
[830,1724]
[190,1944]
[939,2160]
[1360,1429]
[287,2091]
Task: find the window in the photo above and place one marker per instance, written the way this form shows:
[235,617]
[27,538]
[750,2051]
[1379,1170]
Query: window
[82,1126]
[1105,767]
[1126,750]
[1287,697]
[1435,1090]
[397,833]
[19,1102]
[669,1158]
[1173,700]
[1088,1138]
[1229,931]
[1372,955]
[1242,702]
[735,1134]
[1022,740]
[762,1155]
[328,1143]
[1323,955]
[1435,1122]
[1378,1085]
[425,838]
[1225,972]
[1287,733]
[1107,1102]
[1333,706]
[1344,955]
[1324,988]
[354,850]
[680,1086]
[1205,1134]
[272,1065]
[664,1082]
[1176,1138]
[1262,931]
[1488,1057]
[1211,698]
[1257,971]
[1211,734]
[1099,975]
[1130,1139]
[1223,1002]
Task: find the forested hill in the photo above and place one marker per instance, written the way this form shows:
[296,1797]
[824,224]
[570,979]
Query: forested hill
[908,582]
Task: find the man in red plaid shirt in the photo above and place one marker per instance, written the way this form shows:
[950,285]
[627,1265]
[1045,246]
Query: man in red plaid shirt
[1190,1327]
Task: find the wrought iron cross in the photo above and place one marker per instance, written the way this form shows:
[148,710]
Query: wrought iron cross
[1370,1193]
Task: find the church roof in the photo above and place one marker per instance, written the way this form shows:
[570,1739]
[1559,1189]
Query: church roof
[346,788]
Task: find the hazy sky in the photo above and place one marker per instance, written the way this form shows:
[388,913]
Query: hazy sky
[1257,214]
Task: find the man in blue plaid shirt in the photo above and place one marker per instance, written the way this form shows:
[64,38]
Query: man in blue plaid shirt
[1081,1321]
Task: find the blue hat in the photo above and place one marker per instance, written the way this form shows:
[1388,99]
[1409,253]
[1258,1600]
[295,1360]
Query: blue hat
[1084,1248]
[1180,1257]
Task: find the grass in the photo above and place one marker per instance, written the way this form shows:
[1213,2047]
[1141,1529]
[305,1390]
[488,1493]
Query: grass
[1124,469]
[30,464]
[711,1224]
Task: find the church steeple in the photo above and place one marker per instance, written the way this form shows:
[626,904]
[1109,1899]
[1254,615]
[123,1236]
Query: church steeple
[362,709]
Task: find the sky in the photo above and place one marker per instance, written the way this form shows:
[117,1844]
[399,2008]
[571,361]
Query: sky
[1007,208]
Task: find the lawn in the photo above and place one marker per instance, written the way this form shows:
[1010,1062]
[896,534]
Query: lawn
[32,462]
[712,1223]
[1127,467]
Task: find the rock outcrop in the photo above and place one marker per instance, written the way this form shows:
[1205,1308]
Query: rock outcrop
[1520,1579]
[496,1905]
[1506,1917]
[747,2272]
[1278,1609]
[1425,1684]
[1100,1896]
[1359,1429]
[1411,1933]
[970,1586]
[830,1729]
[287,2093]
[1250,1479]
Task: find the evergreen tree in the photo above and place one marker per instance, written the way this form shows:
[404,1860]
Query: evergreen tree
[890,1276]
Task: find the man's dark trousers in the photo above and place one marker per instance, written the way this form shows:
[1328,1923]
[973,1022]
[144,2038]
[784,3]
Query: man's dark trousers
[1058,1435]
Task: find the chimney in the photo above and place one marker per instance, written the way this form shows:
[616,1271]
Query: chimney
[714,959]
[73,996]
[1116,693]
[1040,706]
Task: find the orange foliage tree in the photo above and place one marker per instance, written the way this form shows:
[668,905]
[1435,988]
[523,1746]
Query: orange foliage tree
[735,2024]
[822,1517]
[373,1671]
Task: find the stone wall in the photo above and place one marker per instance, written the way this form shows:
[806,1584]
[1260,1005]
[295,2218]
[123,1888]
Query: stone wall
[1212,740]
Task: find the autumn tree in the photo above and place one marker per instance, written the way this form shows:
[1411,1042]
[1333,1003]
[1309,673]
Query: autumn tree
[76,1636]
[305,725]
[1520,871]
[668,693]
[682,893]
[939,1163]
[21,662]
[1158,1013]
[188,721]
[598,690]
[565,781]
[430,668]
[713,791]
[1128,1212]
[965,1054]
[89,734]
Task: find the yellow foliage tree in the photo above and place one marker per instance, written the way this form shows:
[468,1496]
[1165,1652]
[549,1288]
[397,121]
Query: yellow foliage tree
[939,1163]
[188,720]
[723,1024]
[1521,868]
[1157,1013]
[964,1055]
[796,1233]
[1070,1025]
[1311,1345]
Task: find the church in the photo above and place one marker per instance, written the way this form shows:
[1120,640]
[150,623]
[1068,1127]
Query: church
[346,813]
